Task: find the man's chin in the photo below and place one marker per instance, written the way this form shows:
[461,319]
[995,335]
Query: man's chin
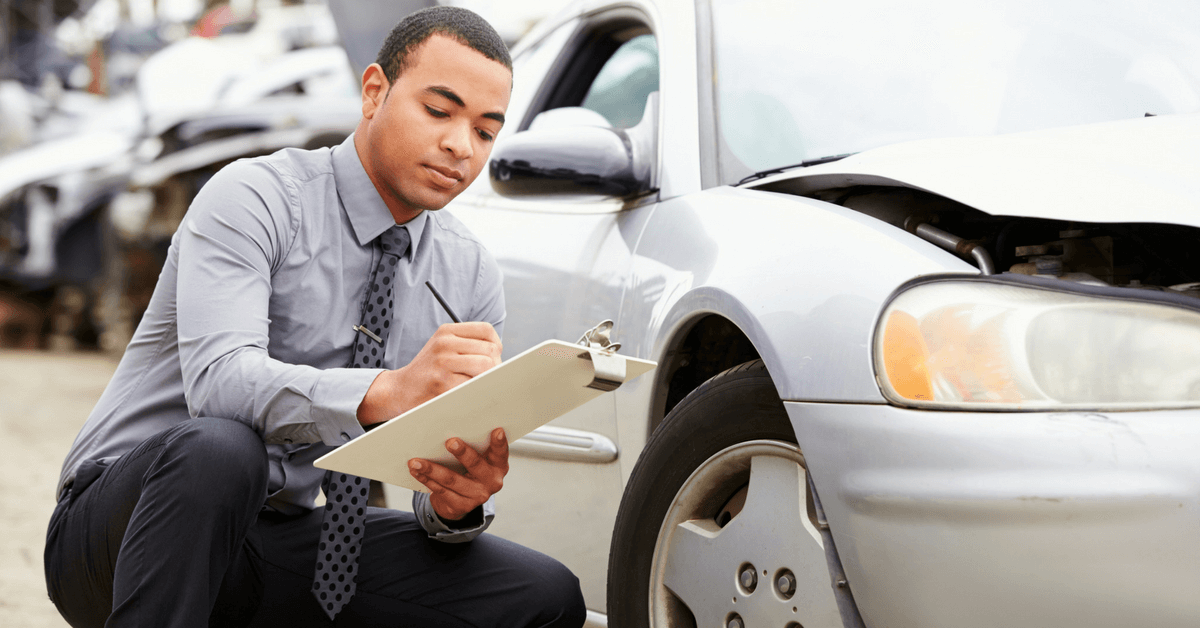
[435,205]
[436,198]
[428,197]
[427,204]
[429,200]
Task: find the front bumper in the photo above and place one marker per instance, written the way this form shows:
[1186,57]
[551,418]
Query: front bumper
[967,520]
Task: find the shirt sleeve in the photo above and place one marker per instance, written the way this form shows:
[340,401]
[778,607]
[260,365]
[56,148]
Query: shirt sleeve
[235,235]
[489,294]
[439,531]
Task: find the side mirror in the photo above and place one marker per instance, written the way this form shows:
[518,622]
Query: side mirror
[577,159]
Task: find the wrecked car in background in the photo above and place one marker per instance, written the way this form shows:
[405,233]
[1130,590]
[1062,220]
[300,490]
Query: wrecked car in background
[53,193]
[306,98]
[86,213]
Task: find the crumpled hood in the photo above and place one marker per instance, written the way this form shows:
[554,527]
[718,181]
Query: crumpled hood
[1139,170]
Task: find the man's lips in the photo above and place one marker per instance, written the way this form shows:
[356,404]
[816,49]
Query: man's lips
[447,177]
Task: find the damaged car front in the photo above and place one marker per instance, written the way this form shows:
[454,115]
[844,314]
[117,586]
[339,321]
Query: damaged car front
[1038,440]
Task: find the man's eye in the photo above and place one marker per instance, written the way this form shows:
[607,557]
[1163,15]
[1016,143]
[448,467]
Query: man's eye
[435,113]
[485,136]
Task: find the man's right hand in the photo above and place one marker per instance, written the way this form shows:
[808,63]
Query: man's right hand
[456,352]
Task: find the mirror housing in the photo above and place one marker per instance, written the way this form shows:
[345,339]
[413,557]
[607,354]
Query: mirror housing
[576,159]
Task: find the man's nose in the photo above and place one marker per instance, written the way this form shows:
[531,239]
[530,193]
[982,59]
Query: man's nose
[457,141]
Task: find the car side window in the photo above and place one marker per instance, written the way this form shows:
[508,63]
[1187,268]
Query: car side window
[610,68]
[626,80]
[530,67]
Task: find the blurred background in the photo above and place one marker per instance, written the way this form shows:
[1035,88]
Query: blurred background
[113,114]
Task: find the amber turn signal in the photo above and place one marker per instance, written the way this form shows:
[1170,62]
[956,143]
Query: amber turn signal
[906,358]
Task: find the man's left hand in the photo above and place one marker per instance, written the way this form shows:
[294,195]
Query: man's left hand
[454,495]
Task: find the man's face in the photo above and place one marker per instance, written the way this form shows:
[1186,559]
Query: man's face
[424,140]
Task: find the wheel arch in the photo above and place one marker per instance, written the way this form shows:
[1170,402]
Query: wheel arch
[711,331]
[701,348]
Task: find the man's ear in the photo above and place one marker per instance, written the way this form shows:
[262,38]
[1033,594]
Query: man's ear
[374,89]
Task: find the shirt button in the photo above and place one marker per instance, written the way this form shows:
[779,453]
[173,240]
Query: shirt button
[288,441]
[345,436]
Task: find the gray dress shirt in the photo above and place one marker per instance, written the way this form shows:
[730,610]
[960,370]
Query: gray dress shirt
[251,319]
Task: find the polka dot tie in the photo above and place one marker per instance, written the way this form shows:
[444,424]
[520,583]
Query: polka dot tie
[343,522]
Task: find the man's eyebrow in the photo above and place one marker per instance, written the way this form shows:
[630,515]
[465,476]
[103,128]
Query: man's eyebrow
[448,94]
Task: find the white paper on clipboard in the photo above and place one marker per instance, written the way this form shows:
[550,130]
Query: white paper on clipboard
[520,395]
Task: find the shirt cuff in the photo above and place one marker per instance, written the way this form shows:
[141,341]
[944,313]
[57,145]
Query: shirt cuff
[336,398]
[439,531]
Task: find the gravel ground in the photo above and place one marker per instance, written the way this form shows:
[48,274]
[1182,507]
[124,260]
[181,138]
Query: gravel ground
[44,399]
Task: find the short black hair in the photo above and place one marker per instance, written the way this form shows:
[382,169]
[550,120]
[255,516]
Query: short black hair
[461,24]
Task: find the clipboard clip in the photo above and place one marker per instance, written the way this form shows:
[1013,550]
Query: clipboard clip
[597,338]
[608,368]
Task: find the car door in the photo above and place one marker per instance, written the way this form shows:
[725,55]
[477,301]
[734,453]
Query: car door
[565,262]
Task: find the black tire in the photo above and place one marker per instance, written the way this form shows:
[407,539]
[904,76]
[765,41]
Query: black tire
[738,405]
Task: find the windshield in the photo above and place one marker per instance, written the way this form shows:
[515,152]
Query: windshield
[807,79]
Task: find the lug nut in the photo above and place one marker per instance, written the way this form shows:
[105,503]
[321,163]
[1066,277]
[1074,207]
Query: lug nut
[734,622]
[748,578]
[785,584]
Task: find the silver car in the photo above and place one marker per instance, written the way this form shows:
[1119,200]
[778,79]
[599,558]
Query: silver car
[921,280]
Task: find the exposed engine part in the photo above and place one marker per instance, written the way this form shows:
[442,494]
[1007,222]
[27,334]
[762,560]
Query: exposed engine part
[955,244]
[1134,255]
[1090,259]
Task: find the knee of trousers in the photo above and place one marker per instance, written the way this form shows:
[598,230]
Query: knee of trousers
[556,596]
[217,453]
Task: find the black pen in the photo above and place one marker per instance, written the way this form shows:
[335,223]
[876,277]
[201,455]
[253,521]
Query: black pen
[445,306]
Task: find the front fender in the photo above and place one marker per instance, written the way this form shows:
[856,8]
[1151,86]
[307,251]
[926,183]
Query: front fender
[803,279]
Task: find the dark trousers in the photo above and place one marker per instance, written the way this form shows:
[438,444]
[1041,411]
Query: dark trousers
[173,534]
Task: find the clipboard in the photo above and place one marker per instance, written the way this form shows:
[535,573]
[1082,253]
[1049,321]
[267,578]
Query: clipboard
[520,395]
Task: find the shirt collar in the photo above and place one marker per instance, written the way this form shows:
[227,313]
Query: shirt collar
[369,216]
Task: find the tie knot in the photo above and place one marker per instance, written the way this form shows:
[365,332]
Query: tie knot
[395,241]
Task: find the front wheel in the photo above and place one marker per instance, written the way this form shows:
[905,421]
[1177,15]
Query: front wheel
[716,527]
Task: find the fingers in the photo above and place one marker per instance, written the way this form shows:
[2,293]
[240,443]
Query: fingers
[452,495]
[456,353]
[425,471]
[467,346]
[467,366]
[480,468]
[470,338]
[477,330]
[447,480]
[497,451]
[448,504]
[455,358]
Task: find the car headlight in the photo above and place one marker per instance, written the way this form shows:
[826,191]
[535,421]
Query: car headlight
[1010,344]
